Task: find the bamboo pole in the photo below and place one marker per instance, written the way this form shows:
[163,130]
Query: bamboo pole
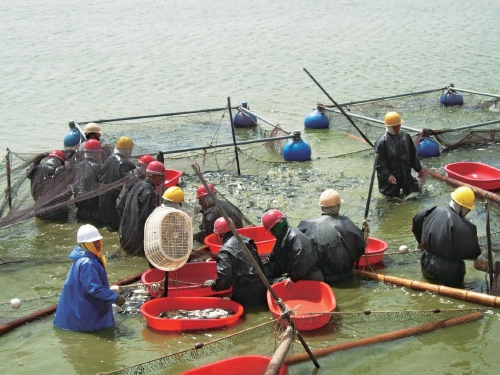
[485,194]
[4,328]
[280,353]
[461,294]
[385,337]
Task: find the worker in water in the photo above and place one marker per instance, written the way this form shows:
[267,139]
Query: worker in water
[340,241]
[86,299]
[173,197]
[448,238]
[141,202]
[86,181]
[293,254]
[93,131]
[211,213]
[138,175]
[397,157]
[114,169]
[234,269]
[49,180]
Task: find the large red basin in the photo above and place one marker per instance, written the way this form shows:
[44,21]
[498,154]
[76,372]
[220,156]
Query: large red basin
[264,240]
[481,175]
[245,364]
[374,252]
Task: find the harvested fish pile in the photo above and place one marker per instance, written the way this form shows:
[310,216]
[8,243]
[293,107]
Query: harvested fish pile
[210,313]
[134,300]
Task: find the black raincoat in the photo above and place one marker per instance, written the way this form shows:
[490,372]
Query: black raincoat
[294,254]
[114,168]
[235,269]
[397,156]
[122,197]
[45,184]
[211,214]
[340,245]
[141,202]
[448,239]
[86,180]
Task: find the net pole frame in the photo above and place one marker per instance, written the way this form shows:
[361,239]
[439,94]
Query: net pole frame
[8,191]
[280,303]
[234,135]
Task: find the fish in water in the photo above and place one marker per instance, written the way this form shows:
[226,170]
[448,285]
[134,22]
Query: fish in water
[211,313]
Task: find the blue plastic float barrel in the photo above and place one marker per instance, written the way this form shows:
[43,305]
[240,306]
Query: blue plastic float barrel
[296,149]
[243,119]
[427,147]
[317,119]
[72,137]
[451,97]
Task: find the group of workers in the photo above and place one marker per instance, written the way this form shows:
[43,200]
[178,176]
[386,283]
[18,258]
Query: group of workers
[324,248]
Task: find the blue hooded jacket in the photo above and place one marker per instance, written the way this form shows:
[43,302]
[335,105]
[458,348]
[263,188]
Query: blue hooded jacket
[86,300]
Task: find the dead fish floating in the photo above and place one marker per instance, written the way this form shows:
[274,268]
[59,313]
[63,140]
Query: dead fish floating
[211,313]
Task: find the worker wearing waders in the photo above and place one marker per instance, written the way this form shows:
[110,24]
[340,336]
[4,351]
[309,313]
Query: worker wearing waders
[293,254]
[87,180]
[141,202]
[138,175]
[447,238]
[397,156]
[234,269]
[211,213]
[48,179]
[86,299]
[116,167]
[340,241]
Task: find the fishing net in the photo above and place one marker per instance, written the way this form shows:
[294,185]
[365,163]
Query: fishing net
[474,123]
[342,331]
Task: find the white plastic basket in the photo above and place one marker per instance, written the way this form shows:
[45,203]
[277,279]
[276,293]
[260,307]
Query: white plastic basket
[168,238]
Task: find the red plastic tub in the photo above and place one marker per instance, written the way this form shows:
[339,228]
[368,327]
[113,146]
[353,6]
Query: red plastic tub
[245,364]
[264,240]
[172,177]
[315,297]
[375,249]
[152,308]
[481,175]
[195,273]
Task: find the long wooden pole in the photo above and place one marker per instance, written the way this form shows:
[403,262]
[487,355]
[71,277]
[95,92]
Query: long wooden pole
[385,337]
[234,136]
[488,242]
[478,191]
[461,294]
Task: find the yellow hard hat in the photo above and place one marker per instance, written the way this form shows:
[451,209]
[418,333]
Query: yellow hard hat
[392,119]
[464,196]
[92,127]
[329,198]
[174,194]
[124,143]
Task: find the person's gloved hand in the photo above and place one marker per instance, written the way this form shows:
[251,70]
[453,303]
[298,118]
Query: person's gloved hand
[289,284]
[120,301]
[209,283]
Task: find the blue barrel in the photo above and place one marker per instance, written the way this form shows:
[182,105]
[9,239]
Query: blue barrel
[296,149]
[427,148]
[317,119]
[451,97]
[244,120]
[72,137]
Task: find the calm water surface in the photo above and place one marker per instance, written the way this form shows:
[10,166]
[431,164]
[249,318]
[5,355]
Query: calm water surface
[90,60]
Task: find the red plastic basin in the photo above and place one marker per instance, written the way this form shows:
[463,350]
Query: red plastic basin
[152,308]
[245,364]
[481,175]
[374,251]
[195,273]
[172,177]
[264,240]
[316,298]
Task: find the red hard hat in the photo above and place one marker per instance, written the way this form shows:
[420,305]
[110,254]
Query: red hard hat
[155,167]
[221,226]
[271,218]
[202,191]
[92,145]
[58,155]
[146,159]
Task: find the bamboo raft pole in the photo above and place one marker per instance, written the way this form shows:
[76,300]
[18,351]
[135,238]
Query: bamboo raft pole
[485,194]
[385,337]
[4,328]
[461,294]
